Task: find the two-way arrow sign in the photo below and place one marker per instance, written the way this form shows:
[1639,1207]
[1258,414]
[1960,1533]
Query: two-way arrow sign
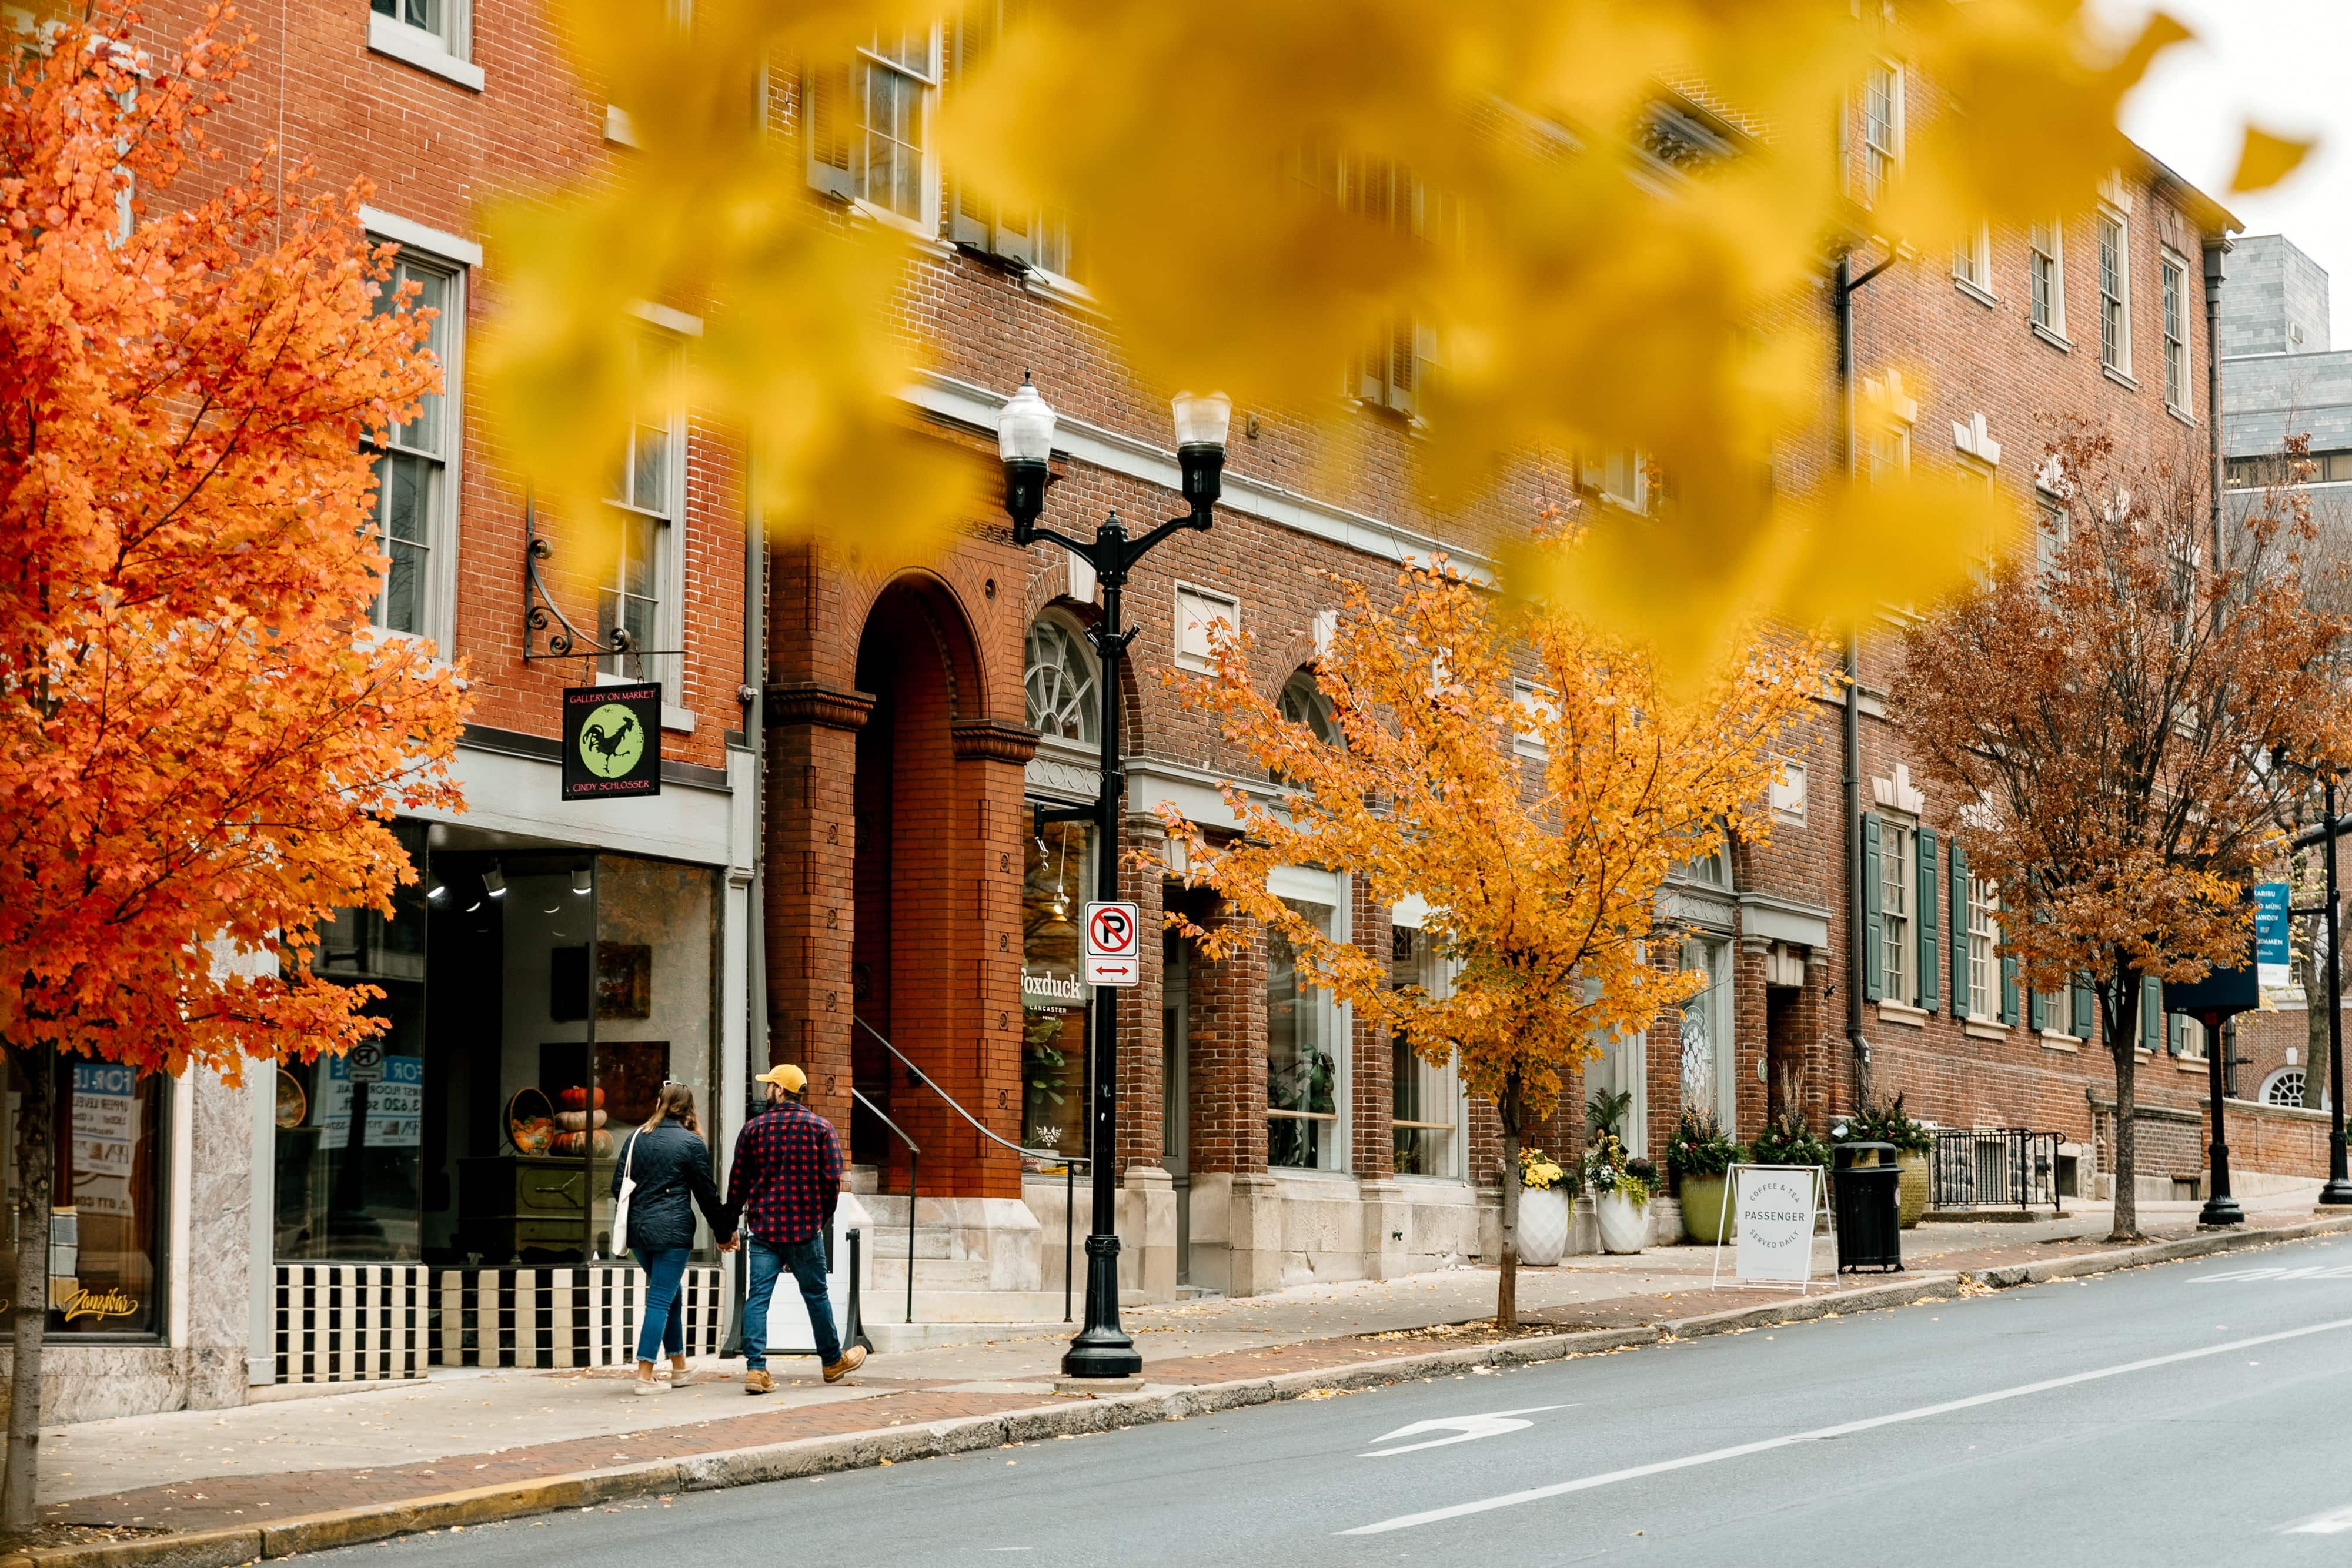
[1465,1428]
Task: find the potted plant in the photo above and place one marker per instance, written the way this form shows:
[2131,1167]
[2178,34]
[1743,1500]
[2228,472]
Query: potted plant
[1620,1185]
[1889,1124]
[1700,1156]
[1544,1191]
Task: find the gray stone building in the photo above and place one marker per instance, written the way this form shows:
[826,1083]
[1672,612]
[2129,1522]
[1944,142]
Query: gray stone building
[2280,376]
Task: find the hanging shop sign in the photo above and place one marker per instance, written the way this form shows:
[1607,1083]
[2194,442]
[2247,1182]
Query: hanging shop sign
[612,741]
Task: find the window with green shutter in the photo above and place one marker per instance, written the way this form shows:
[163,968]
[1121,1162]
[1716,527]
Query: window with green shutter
[1964,1002]
[1928,904]
[2152,1015]
[2008,991]
[2081,1008]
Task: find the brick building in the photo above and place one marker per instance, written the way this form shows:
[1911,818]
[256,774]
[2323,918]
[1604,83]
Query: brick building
[842,869]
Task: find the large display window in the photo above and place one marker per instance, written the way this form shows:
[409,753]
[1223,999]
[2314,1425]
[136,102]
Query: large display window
[538,1000]
[1054,997]
[106,1199]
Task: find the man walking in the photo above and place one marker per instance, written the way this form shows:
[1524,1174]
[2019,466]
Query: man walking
[785,1186]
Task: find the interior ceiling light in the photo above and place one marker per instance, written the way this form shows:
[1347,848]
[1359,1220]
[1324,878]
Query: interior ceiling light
[580,881]
[494,882]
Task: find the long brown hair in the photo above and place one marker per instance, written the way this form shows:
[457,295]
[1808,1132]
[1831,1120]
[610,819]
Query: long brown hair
[673,1104]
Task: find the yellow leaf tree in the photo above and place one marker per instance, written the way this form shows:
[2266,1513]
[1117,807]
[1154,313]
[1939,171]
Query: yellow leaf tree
[1541,874]
[1610,217]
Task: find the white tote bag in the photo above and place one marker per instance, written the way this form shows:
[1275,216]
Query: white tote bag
[621,1207]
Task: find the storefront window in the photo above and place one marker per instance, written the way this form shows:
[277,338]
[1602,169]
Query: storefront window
[1054,994]
[106,1213]
[537,1002]
[1708,1081]
[1425,1100]
[349,1171]
[1303,1056]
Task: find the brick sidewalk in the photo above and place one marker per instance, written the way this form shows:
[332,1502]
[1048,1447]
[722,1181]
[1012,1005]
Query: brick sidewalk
[227,1500]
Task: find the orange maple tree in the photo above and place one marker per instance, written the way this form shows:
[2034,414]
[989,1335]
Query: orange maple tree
[201,740]
[2111,707]
[1541,872]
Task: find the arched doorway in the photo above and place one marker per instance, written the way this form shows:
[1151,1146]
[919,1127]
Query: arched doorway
[935,892]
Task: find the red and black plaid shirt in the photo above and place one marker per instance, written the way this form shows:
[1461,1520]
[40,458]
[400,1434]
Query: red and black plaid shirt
[787,1175]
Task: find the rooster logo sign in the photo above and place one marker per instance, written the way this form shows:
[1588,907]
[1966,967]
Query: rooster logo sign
[611,741]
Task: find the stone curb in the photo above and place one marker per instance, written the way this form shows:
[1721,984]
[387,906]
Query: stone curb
[969,1434]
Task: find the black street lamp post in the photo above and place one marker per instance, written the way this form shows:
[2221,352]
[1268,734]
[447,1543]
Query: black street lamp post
[1025,440]
[2339,1189]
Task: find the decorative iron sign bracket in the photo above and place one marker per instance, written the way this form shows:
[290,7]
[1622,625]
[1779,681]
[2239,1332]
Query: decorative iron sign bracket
[547,632]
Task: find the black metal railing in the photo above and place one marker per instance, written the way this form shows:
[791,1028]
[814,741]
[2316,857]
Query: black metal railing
[1069,1170]
[914,1162]
[1993,1167]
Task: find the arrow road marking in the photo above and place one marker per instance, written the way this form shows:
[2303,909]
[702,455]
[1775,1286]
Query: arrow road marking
[1464,1428]
[1843,1429]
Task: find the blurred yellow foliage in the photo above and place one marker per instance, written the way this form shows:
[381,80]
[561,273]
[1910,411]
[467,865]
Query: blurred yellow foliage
[1586,285]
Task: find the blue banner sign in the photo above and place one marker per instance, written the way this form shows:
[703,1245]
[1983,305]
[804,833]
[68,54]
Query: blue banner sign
[2270,924]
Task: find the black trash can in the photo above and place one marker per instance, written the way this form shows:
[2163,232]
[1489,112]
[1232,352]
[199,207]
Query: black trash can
[1869,1207]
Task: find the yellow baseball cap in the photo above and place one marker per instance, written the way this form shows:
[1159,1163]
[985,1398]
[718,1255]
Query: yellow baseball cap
[785,1076]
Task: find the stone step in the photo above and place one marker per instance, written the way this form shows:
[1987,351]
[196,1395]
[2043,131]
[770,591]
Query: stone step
[952,1306]
[932,1273]
[894,1337]
[930,1242]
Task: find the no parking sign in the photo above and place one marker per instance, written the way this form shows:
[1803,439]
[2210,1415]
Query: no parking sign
[1114,944]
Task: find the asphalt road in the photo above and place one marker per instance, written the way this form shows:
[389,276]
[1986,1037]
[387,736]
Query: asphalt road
[2187,1414]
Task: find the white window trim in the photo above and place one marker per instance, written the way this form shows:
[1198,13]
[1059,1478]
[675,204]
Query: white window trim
[1413,915]
[926,225]
[2171,263]
[1896,127]
[457,257]
[2053,331]
[1790,777]
[1976,283]
[444,57]
[1331,889]
[2122,367]
[1069,626]
[1535,701]
[669,622]
[1908,828]
[1990,905]
[1232,618]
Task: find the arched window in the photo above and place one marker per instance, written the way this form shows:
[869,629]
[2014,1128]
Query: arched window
[1302,701]
[1060,680]
[2284,1087]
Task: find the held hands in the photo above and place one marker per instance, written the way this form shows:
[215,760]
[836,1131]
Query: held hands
[730,1243]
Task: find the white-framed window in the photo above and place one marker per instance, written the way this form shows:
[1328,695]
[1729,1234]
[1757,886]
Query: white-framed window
[1972,260]
[1897,855]
[436,35]
[1889,452]
[1535,704]
[636,599]
[1425,1102]
[2175,333]
[1881,129]
[1058,678]
[1040,240]
[1621,475]
[1198,611]
[1984,952]
[1399,350]
[1302,701]
[416,492]
[2046,277]
[2284,1087]
[2188,1038]
[1785,795]
[1306,1036]
[2114,292]
[868,127]
[1707,1067]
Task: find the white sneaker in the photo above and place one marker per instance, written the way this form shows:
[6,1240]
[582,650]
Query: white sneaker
[650,1385]
[681,1379]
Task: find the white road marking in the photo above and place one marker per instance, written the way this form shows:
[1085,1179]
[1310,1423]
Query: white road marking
[2334,1522]
[2247,1276]
[1843,1429]
[1465,1428]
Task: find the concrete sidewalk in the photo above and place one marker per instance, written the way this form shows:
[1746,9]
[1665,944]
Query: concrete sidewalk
[285,1457]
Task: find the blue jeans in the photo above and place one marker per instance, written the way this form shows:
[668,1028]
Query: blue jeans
[663,1328]
[806,1260]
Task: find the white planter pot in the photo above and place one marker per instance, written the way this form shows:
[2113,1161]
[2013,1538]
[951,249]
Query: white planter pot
[1624,1224]
[1543,1226]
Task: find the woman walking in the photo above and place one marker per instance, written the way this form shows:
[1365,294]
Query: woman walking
[671,1166]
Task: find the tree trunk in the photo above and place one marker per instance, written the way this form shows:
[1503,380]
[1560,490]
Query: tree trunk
[2314,1028]
[36,1072]
[2127,1225]
[1507,1276]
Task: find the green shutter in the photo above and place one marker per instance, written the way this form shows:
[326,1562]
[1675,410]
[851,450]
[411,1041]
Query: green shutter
[1959,932]
[2172,1033]
[2034,1018]
[2152,1015]
[1873,914]
[1931,950]
[2008,991]
[2081,1008]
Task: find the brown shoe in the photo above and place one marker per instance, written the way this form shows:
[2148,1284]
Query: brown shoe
[851,1360]
[756,1381]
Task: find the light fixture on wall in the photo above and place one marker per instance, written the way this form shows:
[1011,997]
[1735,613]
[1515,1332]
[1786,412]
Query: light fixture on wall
[436,893]
[580,881]
[494,882]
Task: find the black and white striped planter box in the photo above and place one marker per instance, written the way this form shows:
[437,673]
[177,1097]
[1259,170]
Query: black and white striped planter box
[584,1315]
[352,1323]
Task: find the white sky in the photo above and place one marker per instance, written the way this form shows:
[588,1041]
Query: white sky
[2282,64]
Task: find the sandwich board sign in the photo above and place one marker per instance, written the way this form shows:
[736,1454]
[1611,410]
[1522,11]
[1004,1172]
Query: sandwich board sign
[1114,944]
[1774,1211]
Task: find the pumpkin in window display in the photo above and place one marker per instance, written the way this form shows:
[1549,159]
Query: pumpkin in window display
[531,1122]
[600,1141]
